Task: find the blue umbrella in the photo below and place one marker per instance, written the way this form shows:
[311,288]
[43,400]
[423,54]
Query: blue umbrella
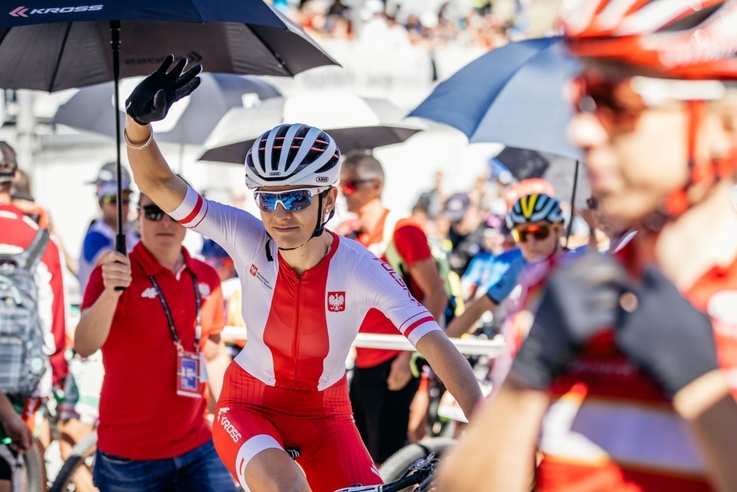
[511,95]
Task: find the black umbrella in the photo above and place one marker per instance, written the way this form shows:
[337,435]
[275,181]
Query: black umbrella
[50,48]
[92,110]
[563,173]
[354,122]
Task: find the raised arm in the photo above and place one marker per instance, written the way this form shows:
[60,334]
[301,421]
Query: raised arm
[150,101]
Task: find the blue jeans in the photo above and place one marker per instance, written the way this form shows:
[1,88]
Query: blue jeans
[197,470]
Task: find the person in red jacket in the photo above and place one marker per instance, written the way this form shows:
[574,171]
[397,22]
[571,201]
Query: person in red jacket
[18,230]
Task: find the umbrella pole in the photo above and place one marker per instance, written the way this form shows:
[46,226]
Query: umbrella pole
[573,204]
[120,246]
[115,43]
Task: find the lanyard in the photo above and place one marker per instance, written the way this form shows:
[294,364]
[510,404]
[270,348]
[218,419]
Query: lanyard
[172,328]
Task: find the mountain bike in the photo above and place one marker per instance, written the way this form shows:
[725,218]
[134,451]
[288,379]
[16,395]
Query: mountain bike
[419,475]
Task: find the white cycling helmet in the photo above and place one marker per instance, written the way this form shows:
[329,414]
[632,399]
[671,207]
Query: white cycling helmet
[293,154]
[533,207]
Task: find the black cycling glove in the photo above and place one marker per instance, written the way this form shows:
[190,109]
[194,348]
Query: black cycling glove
[579,301]
[666,335]
[152,98]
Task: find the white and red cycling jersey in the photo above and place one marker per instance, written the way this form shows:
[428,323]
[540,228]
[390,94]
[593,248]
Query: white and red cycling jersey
[300,328]
[288,387]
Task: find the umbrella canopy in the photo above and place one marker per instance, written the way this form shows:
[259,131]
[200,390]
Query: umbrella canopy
[60,48]
[189,121]
[54,48]
[558,171]
[354,122]
[511,95]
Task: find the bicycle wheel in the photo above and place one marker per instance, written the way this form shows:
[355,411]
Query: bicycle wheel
[398,463]
[35,469]
[81,452]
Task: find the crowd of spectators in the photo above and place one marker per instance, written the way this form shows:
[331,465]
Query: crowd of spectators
[430,24]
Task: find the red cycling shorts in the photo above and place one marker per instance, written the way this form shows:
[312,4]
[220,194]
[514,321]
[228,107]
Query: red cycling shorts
[252,416]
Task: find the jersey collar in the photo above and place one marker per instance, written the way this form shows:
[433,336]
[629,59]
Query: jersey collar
[152,267]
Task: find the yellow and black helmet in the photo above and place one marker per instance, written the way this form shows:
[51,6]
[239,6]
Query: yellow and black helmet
[532,208]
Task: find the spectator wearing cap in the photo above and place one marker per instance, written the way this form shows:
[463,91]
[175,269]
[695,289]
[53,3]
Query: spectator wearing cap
[464,231]
[17,232]
[536,223]
[488,266]
[79,411]
[100,237]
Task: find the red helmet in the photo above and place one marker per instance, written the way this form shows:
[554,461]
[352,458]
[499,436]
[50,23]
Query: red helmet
[678,38]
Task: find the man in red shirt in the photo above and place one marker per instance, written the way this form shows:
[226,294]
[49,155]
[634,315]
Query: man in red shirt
[383,387]
[157,336]
[17,232]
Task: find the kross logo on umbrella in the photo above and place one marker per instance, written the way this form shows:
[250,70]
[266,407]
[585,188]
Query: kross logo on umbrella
[25,12]
[192,57]
[336,301]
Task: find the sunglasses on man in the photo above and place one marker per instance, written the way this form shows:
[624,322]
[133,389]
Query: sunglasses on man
[111,199]
[539,232]
[291,200]
[618,103]
[152,212]
[350,187]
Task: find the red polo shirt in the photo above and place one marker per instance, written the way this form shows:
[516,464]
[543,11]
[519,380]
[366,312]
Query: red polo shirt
[141,415]
[411,243]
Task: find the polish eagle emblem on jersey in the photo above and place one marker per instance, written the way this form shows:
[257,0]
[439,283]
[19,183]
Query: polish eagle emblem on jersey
[336,301]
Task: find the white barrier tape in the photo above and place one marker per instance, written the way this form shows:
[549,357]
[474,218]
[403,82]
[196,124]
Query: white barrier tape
[466,346]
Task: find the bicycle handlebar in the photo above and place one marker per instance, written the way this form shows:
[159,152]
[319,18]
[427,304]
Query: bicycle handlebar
[420,473]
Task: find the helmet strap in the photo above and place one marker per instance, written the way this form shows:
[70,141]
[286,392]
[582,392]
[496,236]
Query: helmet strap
[702,173]
[319,227]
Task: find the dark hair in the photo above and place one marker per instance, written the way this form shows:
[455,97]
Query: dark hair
[366,165]
[141,194]
[22,185]
[8,163]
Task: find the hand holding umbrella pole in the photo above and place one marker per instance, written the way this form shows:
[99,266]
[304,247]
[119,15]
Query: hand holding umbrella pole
[150,101]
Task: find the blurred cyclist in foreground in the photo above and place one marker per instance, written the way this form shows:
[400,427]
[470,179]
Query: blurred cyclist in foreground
[629,364]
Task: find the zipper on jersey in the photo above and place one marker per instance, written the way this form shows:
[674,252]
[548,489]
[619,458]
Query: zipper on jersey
[297,330]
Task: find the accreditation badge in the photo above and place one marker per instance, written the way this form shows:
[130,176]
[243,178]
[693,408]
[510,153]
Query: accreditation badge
[188,375]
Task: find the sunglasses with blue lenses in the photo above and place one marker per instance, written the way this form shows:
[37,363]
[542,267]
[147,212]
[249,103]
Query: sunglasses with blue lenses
[291,200]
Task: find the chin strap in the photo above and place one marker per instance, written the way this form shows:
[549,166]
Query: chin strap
[319,226]
[703,173]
